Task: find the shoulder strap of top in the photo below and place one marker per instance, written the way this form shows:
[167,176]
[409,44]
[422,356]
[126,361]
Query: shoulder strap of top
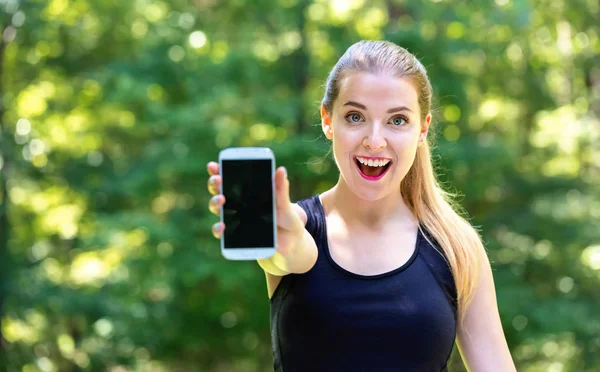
[438,265]
[315,223]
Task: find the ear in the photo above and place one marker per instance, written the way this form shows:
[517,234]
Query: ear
[326,124]
[425,128]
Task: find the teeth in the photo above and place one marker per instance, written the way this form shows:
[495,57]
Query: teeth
[373,163]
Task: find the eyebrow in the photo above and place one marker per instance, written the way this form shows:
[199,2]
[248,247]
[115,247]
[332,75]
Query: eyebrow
[363,107]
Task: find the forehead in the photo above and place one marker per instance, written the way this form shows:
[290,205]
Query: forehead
[378,91]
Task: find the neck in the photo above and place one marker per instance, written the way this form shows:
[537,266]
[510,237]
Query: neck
[369,213]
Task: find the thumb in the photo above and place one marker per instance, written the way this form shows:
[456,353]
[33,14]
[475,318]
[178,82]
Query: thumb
[286,217]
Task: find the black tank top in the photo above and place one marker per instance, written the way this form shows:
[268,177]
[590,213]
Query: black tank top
[329,319]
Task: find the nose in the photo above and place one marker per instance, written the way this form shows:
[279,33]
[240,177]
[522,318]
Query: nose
[375,139]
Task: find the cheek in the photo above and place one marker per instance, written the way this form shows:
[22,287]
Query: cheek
[343,145]
[345,141]
[407,151]
[408,141]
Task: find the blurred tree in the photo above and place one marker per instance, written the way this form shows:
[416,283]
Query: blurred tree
[110,111]
[6,36]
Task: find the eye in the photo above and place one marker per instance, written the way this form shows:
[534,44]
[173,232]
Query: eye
[399,120]
[354,117]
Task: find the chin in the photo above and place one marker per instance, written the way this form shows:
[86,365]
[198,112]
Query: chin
[369,193]
[370,196]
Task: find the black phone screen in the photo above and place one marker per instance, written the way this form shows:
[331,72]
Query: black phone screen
[248,210]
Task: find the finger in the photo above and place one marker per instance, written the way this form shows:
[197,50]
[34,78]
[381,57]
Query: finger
[286,217]
[217,229]
[215,203]
[282,189]
[214,184]
[212,168]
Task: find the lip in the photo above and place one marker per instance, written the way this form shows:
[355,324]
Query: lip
[371,178]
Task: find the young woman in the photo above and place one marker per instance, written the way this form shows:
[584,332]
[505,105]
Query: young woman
[379,273]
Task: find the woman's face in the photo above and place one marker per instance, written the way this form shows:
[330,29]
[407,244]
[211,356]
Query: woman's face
[375,127]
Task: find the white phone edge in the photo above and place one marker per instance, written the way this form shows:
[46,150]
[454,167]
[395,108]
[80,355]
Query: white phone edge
[249,153]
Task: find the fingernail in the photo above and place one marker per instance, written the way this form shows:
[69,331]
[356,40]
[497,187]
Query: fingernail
[215,199]
[212,180]
[284,172]
[218,227]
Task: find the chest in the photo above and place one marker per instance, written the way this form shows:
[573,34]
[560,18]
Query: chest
[360,315]
[370,253]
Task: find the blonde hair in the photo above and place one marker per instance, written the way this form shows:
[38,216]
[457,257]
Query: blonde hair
[435,208]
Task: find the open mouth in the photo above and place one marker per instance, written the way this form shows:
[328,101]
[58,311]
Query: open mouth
[373,172]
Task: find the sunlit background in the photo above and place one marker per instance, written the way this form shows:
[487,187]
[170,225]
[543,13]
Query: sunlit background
[111,109]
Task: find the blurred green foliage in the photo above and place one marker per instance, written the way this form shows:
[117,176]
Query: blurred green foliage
[111,109]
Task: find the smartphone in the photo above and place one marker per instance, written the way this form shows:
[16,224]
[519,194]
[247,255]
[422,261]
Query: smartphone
[248,184]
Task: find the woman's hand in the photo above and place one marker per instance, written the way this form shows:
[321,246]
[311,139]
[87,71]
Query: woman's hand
[290,228]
